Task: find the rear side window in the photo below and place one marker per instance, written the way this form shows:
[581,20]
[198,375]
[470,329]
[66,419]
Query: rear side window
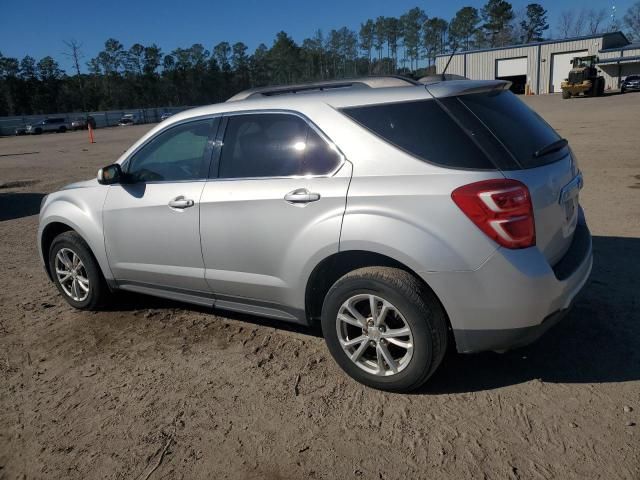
[521,130]
[274,145]
[423,129]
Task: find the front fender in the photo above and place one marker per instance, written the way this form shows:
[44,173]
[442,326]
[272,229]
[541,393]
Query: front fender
[81,210]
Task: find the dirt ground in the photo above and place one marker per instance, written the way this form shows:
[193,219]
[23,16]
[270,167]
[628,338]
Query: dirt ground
[154,389]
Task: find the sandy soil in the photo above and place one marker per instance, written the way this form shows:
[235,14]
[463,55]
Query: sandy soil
[153,389]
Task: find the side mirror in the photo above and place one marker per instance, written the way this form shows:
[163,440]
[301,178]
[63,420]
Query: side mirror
[110,174]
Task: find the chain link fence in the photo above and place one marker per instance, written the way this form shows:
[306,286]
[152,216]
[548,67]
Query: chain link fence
[103,119]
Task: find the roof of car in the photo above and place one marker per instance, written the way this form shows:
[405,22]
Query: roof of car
[342,97]
[326,85]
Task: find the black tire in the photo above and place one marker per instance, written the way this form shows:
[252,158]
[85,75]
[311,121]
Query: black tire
[98,290]
[566,94]
[62,129]
[421,311]
[601,86]
[38,131]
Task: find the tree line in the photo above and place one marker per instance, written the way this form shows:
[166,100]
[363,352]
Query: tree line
[145,76]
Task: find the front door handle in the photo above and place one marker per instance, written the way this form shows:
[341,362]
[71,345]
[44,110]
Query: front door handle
[301,195]
[181,203]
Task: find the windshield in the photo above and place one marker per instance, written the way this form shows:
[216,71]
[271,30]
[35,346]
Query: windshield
[521,130]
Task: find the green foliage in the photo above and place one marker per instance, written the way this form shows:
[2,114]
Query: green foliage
[534,24]
[497,16]
[463,27]
[435,37]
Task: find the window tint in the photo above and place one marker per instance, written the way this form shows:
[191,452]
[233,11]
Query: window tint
[273,145]
[320,157]
[176,154]
[521,130]
[424,129]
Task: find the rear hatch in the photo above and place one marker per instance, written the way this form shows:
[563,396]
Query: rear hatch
[523,147]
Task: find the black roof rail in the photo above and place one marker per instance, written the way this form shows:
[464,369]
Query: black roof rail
[363,82]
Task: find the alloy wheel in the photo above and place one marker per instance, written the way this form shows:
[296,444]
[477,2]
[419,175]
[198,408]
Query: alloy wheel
[72,274]
[374,335]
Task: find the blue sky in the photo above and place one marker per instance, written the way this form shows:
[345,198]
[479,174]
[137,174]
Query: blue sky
[39,27]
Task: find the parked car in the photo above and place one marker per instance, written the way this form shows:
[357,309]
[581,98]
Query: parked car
[56,124]
[405,218]
[630,84]
[165,115]
[129,119]
[79,123]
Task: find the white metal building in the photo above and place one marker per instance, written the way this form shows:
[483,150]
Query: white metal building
[544,65]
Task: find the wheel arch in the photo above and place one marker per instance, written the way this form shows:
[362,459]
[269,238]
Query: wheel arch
[56,227]
[49,233]
[331,268]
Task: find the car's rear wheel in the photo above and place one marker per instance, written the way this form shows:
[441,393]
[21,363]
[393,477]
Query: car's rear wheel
[62,129]
[76,273]
[384,328]
[566,94]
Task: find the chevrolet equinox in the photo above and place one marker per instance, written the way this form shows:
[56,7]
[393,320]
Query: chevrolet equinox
[406,218]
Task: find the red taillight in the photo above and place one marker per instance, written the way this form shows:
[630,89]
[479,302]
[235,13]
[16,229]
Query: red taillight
[501,209]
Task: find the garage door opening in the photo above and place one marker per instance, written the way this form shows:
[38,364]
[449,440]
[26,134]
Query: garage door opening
[515,71]
[518,83]
[560,66]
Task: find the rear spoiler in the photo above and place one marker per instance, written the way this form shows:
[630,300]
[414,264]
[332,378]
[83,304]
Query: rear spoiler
[452,88]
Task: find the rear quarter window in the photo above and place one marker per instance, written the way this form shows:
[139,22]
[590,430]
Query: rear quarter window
[423,129]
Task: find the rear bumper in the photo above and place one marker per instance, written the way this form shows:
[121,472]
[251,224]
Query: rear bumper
[468,341]
[514,297]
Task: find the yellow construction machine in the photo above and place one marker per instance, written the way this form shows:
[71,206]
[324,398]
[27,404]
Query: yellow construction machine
[583,78]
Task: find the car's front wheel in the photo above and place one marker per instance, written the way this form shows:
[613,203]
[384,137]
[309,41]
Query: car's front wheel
[76,272]
[384,328]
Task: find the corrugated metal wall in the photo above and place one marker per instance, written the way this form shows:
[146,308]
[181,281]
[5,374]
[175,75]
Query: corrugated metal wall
[614,73]
[481,65]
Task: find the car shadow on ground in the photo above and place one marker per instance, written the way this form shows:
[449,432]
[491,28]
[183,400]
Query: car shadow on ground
[17,205]
[597,342]
[126,301]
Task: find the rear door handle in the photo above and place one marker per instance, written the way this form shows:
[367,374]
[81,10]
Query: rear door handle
[301,195]
[181,203]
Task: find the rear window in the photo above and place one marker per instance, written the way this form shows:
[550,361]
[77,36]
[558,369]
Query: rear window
[521,130]
[423,129]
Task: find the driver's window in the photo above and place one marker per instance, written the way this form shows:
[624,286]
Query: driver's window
[177,154]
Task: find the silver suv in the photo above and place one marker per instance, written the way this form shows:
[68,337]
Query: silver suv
[406,218]
[57,124]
